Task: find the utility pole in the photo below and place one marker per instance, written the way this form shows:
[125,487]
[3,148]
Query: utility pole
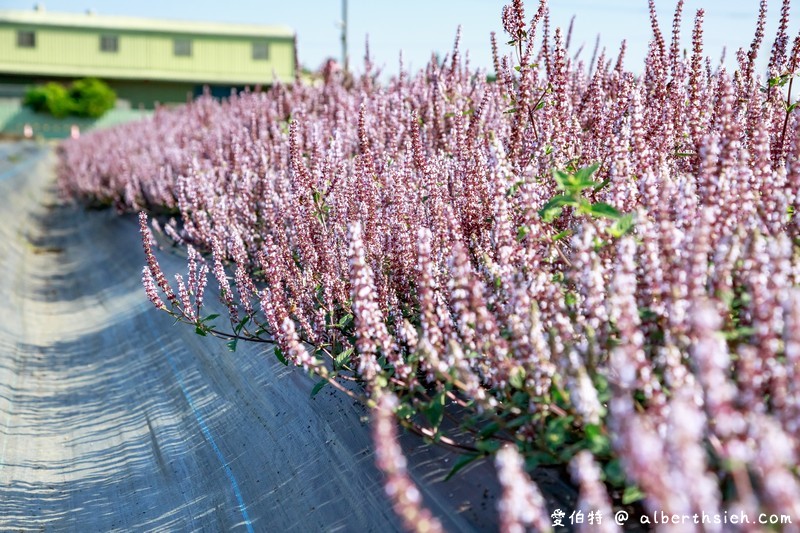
[345,61]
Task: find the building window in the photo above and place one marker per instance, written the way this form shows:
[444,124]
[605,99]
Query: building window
[109,43]
[26,39]
[182,47]
[260,51]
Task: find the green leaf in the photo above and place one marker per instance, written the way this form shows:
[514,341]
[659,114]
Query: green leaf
[632,494]
[242,323]
[434,410]
[562,235]
[489,430]
[488,446]
[563,179]
[779,81]
[519,421]
[552,209]
[318,387]
[200,330]
[557,432]
[598,443]
[462,462]
[344,321]
[549,215]
[584,174]
[790,108]
[614,475]
[404,411]
[574,184]
[342,358]
[539,106]
[604,210]
[514,188]
[570,298]
[522,232]
[280,356]
[741,332]
[602,184]
[209,318]
[520,398]
[621,226]
[517,378]
[603,390]
[232,344]
[537,459]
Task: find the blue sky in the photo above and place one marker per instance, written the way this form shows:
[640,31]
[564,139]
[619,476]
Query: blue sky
[419,27]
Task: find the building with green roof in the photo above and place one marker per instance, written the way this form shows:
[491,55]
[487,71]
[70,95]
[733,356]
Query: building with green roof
[144,60]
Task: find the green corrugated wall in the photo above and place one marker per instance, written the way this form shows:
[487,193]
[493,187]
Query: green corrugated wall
[73,52]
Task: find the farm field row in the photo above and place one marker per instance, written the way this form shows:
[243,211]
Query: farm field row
[111,418]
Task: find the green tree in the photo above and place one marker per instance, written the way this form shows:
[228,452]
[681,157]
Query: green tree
[50,98]
[87,97]
[92,97]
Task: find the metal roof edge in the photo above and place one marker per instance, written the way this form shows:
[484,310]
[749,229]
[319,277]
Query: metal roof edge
[139,24]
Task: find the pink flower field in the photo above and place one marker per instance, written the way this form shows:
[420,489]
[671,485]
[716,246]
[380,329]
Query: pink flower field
[580,264]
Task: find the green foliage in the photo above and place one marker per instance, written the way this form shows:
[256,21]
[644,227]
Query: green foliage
[279,355]
[632,494]
[92,97]
[50,98]
[342,359]
[462,462]
[517,378]
[434,410]
[779,81]
[573,185]
[205,325]
[318,387]
[88,97]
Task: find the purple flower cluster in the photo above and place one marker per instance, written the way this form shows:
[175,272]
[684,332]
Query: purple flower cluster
[396,231]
